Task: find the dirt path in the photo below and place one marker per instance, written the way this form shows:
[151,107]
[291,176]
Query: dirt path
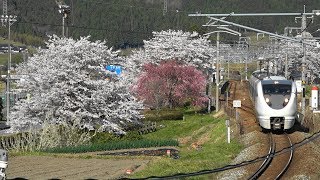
[45,167]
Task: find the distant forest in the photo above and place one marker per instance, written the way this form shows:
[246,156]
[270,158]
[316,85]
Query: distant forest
[125,23]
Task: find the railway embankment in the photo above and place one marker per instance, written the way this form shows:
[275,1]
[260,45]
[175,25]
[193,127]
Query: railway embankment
[305,163]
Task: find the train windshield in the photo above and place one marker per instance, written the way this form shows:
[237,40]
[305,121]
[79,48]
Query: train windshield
[284,89]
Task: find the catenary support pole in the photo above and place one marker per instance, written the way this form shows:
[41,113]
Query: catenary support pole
[303,63]
[217,73]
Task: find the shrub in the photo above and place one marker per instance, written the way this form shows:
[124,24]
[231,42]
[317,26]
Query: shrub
[132,136]
[50,136]
[113,146]
[104,137]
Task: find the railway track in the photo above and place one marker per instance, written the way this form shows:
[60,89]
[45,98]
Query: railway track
[236,86]
[277,161]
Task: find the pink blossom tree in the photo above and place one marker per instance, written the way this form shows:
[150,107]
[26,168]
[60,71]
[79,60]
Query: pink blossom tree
[170,84]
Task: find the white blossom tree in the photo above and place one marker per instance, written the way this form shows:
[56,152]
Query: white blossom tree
[188,47]
[68,84]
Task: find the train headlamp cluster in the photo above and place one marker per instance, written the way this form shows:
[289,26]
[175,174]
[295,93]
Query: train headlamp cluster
[268,101]
[286,100]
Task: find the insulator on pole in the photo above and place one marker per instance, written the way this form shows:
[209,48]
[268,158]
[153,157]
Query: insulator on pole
[4,7]
[165,7]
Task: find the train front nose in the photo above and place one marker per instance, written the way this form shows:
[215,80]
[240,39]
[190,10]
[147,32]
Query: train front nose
[277,122]
[277,101]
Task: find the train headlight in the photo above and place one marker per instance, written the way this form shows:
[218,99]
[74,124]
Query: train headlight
[268,101]
[286,100]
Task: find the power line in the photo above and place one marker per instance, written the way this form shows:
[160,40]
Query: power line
[306,26]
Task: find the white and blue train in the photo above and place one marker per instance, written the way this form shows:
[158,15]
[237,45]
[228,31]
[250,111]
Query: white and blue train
[274,99]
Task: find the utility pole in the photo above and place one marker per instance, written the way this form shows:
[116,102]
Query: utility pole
[9,20]
[228,69]
[217,73]
[64,10]
[286,63]
[246,64]
[303,63]
[224,30]
[245,43]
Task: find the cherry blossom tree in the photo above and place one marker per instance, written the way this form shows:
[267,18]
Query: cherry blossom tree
[170,84]
[189,48]
[67,83]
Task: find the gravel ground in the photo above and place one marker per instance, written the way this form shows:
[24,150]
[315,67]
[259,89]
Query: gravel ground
[306,161]
[305,164]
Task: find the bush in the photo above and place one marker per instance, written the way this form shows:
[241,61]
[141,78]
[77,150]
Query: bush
[104,137]
[163,114]
[50,136]
[132,136]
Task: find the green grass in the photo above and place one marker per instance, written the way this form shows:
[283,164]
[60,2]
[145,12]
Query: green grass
[180,128]
[5,41]
[164,114]
[216,152]
[15,58]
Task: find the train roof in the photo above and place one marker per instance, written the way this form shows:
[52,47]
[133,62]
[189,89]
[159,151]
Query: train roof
[259,71]
[261,74]
[274,78]
[276,81]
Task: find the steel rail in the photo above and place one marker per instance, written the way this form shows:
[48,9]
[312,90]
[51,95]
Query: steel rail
[253,14]
[289,161]
[267,160]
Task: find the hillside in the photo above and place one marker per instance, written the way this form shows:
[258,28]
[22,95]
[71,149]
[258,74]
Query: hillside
[126,23]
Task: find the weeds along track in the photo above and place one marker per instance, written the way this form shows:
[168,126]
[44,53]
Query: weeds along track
[239,90]
[278,159]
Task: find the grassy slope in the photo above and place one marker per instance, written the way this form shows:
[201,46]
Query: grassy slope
[215,151]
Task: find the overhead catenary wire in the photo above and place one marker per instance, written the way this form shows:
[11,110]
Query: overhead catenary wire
[131,6]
